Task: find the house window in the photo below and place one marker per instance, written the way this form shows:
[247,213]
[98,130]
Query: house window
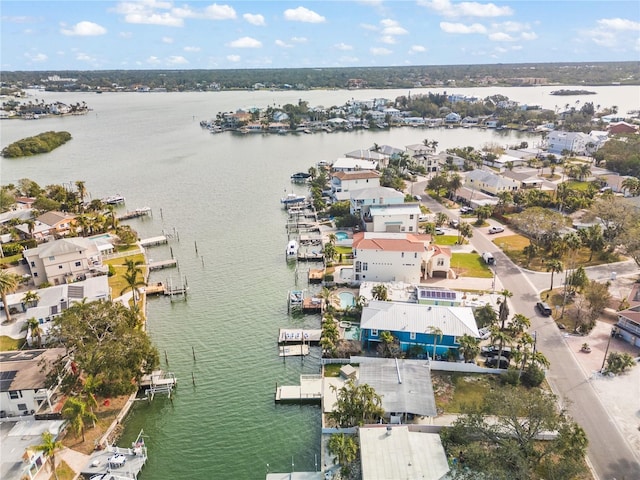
[441,262]
[22,407]
[374,332]
[60,267]
[15,394]
[33,264]
[78,264]
[402,254]
[35,274]
[412,336]
[358,266]
[365,266]
[52,258]
[410,217]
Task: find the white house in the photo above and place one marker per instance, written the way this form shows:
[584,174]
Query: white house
[489,182]
[362,200]
[393,217]
[64,260]
[576,142]
[352,165]
[357,180]
[23,388]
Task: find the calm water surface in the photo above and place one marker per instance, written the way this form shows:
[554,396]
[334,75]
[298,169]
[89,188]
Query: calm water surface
[220,193]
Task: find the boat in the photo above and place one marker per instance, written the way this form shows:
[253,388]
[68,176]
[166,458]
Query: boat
[299,176]
[114,200]
[292,249]
[292,198]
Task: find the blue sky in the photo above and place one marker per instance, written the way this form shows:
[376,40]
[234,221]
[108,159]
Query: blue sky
[167,34]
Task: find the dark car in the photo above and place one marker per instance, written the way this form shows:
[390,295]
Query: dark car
[493,362]
[544,309]
[494,350]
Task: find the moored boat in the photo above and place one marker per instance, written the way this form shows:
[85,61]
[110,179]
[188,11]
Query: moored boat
[292,198]
[292,249]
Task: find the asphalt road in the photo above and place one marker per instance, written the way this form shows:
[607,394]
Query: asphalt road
[609,453]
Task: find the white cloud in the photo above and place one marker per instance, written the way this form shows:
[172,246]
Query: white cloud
[36,57]
[388,39]
[177,60]
[191,49]
[164,19]
[343,46]
[462,28]
[245,42]
[167,40]
[417,49]
[84,29]
[153,60]
[380,51]
[620,24]
[145,12]
[83,57]
[125,34]
[528,36]
[466,9]
[500,37]
[254,19]
[299,39]
[368,26]
[233,58]
[392,27]
[282,44]
[219,12]
[302,14]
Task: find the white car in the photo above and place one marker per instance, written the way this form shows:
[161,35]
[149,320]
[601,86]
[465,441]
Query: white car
[439,231]
[484,333]
[496,229]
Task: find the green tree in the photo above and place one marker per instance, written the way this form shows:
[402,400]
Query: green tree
[8,284]
[380,292]
[618,362]
[485,316]
[437,336]
[465,230]
[75,412]
[49,447]
[441,218]
[356,405]
[345,448]
[553,266]
[469,347]
[592,238]
[503,310]
[499,438]
[33,326]
[132,277]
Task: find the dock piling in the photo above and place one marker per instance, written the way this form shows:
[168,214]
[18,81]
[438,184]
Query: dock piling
[193,379]
[161,214]
[193,352]
[166,358]
[196,245]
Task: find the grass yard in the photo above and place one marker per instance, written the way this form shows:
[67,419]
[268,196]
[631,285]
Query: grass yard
[454,391]
[8,343]
[11,259]
[343,250]
[117,282]
[512,242]
[470,265]
[579,186]
[445,240]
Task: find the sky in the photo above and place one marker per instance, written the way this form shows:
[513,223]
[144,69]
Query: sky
[168,34]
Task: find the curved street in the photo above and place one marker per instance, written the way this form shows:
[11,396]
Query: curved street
[609,453]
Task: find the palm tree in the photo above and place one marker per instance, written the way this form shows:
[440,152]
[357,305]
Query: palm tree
[8,284]
[131,277]
[89,387]
[441,219]
[519,323]
[113,219]
[32,325]
[437,334]
[49,446]
[326,295]
[344,447]
[469,347]
[329,251]
[503,312]
[503,338]
[82,192]
[31,299]
[553,266]
[75,411]
[465,230]
[387,340]
[592,238]
[455,182]
[380,292]
[484,212]
[631,185]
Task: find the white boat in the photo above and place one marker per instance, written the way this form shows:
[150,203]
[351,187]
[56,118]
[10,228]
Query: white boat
[114,200]
[292,249]
[291,198]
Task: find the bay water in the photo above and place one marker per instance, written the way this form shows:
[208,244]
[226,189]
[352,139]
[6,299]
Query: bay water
[219,196]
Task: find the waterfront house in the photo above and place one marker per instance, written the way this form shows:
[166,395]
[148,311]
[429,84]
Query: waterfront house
[401,451]
[23,390]
[64,260]
[629,319]
[452,118]
[356,180]
[622,127]
[352,165]
[417,327]
[55,224]
[392,217]
[370,155]
[576,142]
[362,200]
[391,153]
[528,178]
[505,161]
[389,257]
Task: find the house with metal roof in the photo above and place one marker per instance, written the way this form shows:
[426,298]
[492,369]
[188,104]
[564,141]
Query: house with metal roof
[395,217]
[400,452]
[489,182]
[350,164]
[362,200]
[424,329]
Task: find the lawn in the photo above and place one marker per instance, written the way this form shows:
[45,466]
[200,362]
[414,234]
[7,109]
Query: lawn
[11,259]
[512,242]
[579,186]
[8,343]
[445,239]
[116,282]
[470,265]
[454,391]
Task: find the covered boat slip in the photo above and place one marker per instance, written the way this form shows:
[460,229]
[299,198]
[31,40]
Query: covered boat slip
[298,335]
[116,462]
[309,390]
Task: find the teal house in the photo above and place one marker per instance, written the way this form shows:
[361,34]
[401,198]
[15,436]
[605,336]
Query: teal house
[432,329]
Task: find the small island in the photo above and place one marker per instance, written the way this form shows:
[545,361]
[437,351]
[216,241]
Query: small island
[572,92]
[41,143]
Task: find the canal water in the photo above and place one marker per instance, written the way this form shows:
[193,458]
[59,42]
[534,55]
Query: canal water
[219,196]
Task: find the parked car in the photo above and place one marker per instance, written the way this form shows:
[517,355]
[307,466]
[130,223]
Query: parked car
[423,218]
[496,229]
[484,333]
[494,350]
[466,209]
[439,231]
[417,198]
[544,309]
[488,258]
[493,362]
[454,223]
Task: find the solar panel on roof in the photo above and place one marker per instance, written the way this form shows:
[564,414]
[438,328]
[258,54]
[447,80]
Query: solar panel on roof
[5,380]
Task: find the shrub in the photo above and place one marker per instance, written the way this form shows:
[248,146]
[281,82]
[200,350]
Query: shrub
[533,376]
[511,377]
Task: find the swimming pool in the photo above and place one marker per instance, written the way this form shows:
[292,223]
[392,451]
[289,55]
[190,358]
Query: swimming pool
[341,235]
[347,299]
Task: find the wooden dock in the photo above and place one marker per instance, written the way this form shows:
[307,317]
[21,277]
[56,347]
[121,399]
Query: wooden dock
[315,275]
[309,390]
[298,335]
[154,241]
[159,265]
[293,350]
[138,212]
[310,256]
[160,288]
